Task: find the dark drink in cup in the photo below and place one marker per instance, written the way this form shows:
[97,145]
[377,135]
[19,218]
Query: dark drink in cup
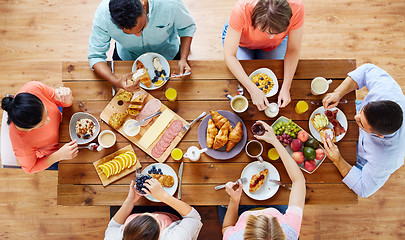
[258,129]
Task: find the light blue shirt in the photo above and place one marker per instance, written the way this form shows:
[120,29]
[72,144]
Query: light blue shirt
[380,157]
[167,21]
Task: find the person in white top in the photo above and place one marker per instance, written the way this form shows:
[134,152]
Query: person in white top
[154,226]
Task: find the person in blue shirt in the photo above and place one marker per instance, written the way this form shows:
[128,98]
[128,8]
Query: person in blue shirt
[380,147]
[138,27]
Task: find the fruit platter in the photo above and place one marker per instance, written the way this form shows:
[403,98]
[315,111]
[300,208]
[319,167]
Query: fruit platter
[307,152]
[151,69]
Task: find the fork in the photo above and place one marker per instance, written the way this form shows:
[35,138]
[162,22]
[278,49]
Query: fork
[185,128]
[242,180]
[176,76]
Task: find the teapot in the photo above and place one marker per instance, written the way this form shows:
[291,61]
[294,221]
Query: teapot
[193,153]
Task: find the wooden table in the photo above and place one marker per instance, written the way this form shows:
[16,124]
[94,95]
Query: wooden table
[205,89]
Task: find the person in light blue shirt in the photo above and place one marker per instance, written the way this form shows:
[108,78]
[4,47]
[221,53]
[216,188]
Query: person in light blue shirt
[138,27]
[380,149]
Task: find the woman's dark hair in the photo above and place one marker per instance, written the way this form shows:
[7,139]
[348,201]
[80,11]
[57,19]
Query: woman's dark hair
[25,110]
[272,16]
[385,117]
[143,227]
[124,13]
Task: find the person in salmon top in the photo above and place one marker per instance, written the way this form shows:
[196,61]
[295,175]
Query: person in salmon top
[34,119]
[271,222]
[264,29]
[156,225]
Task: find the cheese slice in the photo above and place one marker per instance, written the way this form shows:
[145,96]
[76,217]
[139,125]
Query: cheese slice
[156,129]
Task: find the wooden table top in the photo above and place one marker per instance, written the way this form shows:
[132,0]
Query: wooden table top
[205,89]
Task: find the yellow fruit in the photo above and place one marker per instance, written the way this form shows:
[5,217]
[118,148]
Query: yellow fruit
[108,167]
[117,167]
[133,158]
[112,166]
[273,154]
[121,162]
[105,170]
[159,83]
[127,160]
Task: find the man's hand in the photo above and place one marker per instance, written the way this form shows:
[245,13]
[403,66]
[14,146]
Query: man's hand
[284,98]
[234,194]
[258,98]
[331,100]
[184,67]
[64,95]
[127,83]
[331,150]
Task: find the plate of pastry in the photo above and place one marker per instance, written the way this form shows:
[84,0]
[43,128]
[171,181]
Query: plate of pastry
[332,122]
[223,133]
[151,68]
[257,185]
[165,175]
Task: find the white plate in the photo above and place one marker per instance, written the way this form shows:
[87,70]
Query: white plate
[72,127]
[147,60]
[268,189]
[166,170]
[341,117]
[269,73]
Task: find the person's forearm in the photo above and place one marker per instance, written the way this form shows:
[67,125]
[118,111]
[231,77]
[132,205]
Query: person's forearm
[185,45]
[181,207]
[237,70]
[346,86]
[343,166]
[124,211]
[231,216]
[290,65]
[53,158]
[102,69]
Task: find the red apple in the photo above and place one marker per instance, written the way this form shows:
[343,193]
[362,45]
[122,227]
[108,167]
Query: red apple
[319,154]
[303,136]
[298,157]
[296,145]
[310,165]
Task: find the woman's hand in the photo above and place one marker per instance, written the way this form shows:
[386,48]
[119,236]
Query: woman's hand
[68,151]
[155,189]
[234,194]
[258,98]
[284,98]
[268,135]
[128,84]
[64,95]
[132,197]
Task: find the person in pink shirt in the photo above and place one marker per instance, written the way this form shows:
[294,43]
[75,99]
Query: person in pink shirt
[264,29]
[268,223]
[34,119]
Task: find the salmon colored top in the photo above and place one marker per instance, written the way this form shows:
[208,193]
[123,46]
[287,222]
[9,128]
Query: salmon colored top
[240,20]
[31,148]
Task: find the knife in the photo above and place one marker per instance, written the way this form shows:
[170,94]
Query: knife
[320,102]
[279,183]
[180,175]
[143,120]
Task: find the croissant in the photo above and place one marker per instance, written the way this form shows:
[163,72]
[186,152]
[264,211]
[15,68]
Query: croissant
[234,137]
[142,74]
[218,119]
[212,131]
[222,137]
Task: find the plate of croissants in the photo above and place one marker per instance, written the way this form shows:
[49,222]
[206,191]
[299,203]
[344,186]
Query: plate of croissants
[223,133]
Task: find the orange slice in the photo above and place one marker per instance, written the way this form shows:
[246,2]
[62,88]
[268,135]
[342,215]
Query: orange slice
[108,166]
[121,162]
[105,170]
[112,166]
[117,167]
[133,158]
[127,160]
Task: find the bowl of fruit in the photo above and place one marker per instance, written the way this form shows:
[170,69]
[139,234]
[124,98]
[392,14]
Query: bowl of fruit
[139,183]
[303,148]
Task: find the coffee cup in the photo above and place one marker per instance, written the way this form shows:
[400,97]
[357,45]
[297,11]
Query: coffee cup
[320,85]
[239,103]
[272,110]
[254,149]
[106,139]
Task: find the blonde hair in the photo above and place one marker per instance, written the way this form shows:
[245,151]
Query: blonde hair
[263,228]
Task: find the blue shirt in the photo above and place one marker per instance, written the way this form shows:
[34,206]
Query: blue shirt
[167,21]
[380,157]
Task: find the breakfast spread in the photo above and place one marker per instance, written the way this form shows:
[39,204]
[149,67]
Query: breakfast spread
[263,82]
[85,128]
[319,121]
[159,73]
[226,135]
[327,133]
[117,119]
[124,96]
[142,74]
[150,108]
[118,163]
[164,180]
[156,129]
[336,125]
[167,138]
[257,180]
[138,97]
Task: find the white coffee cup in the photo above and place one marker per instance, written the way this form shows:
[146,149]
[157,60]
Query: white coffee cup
[258,152]
[106,139]
[320,85]
[238,103]
[272,110]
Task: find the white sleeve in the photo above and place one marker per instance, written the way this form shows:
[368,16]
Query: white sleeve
[187,228]
[114,231]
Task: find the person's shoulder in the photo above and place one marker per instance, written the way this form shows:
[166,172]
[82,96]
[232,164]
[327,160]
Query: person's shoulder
[296,3]
[32,87]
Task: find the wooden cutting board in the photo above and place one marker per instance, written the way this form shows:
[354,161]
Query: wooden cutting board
[123,173]
[114,107]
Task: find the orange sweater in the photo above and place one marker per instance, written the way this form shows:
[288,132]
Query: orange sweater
[32,148]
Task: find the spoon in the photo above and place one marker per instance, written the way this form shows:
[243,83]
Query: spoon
[91,146]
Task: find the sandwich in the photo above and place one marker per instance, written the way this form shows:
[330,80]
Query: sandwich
[319,121]
[327,133]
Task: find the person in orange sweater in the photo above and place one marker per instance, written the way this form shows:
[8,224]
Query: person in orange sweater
[34,119]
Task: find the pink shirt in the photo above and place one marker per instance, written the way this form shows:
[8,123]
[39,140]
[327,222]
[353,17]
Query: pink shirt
[166,219]
[240,20]
[290,222]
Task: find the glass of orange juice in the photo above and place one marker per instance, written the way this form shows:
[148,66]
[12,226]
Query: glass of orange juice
[171,94]
[177,154]
[301,107]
